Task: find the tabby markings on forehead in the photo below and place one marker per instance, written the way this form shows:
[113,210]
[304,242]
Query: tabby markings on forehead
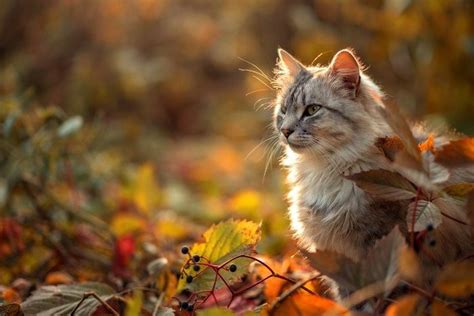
[298,87]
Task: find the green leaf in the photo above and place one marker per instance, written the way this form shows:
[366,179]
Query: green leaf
[223,242]
[70,126]
[384,185]
[62,299]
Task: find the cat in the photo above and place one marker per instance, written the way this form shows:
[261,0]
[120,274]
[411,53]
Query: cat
[328,120]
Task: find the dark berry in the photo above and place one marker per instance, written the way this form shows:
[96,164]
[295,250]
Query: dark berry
[184,305]
[190,308]
[184,250]
[429,227]
[432,243]
[189,279]
[233,268]
[196,258]
[196,268]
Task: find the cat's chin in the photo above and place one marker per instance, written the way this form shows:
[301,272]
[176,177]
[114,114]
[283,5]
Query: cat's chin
[299,149]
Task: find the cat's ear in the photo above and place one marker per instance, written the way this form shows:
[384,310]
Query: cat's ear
[346,66]
[288,64]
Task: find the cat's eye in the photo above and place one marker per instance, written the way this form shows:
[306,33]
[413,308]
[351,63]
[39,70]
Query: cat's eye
[311,109]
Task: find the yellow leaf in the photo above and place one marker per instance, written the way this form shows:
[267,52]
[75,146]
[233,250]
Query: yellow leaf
[457,279]
[405,306]
[167,228]
[123,224]
[134,304]
[223,241]
[247,202]
[143,189]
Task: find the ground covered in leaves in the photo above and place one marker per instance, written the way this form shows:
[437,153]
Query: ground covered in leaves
[136,177]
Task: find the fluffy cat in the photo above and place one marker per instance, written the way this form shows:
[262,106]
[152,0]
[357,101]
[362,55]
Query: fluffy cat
[329,119]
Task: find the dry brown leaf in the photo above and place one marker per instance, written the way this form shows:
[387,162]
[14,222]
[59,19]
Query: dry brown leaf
[440,309]
[459,189]
[384,185]
[390,146]
[400,126]
[457,279]
[405,306]
[457,153]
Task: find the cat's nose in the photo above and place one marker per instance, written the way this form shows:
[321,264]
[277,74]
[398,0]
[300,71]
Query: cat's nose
[287,131]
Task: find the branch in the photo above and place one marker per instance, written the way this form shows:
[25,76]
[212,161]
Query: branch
[293,289]
[101,301]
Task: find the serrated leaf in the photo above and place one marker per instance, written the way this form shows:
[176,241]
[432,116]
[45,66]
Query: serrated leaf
[421,214]
[436,172]
[70,126]
[457,279]
[384,185]
[62,299]
[223,242]
[456,153]
[380,264]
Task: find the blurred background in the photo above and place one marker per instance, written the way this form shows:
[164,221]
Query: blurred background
[122,118]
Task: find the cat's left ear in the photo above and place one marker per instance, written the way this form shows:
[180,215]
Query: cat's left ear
[289,64]
[345,65]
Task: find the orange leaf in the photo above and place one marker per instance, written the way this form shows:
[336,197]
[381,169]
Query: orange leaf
[440,309]
[302,303]
[457,153]
[457,279]
[58,277]
[427,145]
[405,306]
[10,295]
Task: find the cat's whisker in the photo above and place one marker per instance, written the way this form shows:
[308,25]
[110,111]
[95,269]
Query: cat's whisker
[260,144]
[260,71]
[255,91]
[274,149]
[263,82]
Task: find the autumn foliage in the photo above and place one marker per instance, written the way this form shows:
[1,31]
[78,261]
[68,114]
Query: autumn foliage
[136,177]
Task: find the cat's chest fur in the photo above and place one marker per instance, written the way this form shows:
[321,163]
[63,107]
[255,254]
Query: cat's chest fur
[328,211]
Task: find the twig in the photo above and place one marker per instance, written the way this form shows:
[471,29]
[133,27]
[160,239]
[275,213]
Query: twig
[101,301]
[158,304]
[293,289]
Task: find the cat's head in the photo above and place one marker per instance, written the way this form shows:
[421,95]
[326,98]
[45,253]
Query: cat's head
[325,110]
